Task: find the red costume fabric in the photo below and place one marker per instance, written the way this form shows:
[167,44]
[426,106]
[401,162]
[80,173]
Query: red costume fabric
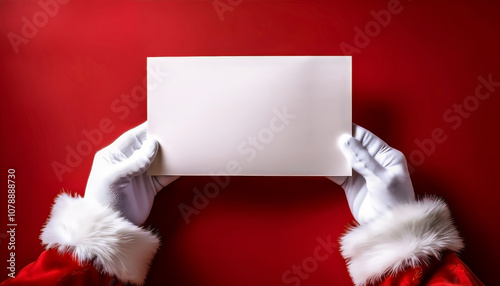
[427,83]
[450,270]
[53,268]
[411,244]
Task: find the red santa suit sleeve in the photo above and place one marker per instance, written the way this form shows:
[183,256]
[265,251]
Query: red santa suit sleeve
[411,244]
[56,268]
[89,244]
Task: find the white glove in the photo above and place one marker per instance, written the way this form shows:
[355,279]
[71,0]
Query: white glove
[118,177]
[380,178]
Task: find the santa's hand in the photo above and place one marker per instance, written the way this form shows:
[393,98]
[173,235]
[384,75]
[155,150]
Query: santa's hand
[118,177]
[102,227]
[380,178]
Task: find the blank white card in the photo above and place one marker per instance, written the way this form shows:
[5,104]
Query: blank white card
[249,115]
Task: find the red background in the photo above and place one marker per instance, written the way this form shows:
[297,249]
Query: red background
[428,57]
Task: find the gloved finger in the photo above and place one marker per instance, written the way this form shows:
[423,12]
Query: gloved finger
[361,160]
[373,144]
[139,161]
[163,181]
[396,162]
[131,140]
[384,154]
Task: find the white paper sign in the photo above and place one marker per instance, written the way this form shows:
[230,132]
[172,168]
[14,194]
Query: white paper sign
[249,115]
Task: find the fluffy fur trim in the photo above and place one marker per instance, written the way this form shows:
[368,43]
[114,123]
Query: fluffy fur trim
[98,234]
[407,235]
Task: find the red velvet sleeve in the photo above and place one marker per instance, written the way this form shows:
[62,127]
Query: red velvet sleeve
[53,268]
[450,270]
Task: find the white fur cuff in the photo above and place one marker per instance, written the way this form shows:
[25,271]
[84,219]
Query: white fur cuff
[92,232]
[405,236]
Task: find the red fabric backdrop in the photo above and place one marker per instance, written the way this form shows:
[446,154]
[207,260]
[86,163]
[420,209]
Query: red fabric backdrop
[420,81]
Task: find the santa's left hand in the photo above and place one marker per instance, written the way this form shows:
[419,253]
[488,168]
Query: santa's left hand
[118,177]
[380,178]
